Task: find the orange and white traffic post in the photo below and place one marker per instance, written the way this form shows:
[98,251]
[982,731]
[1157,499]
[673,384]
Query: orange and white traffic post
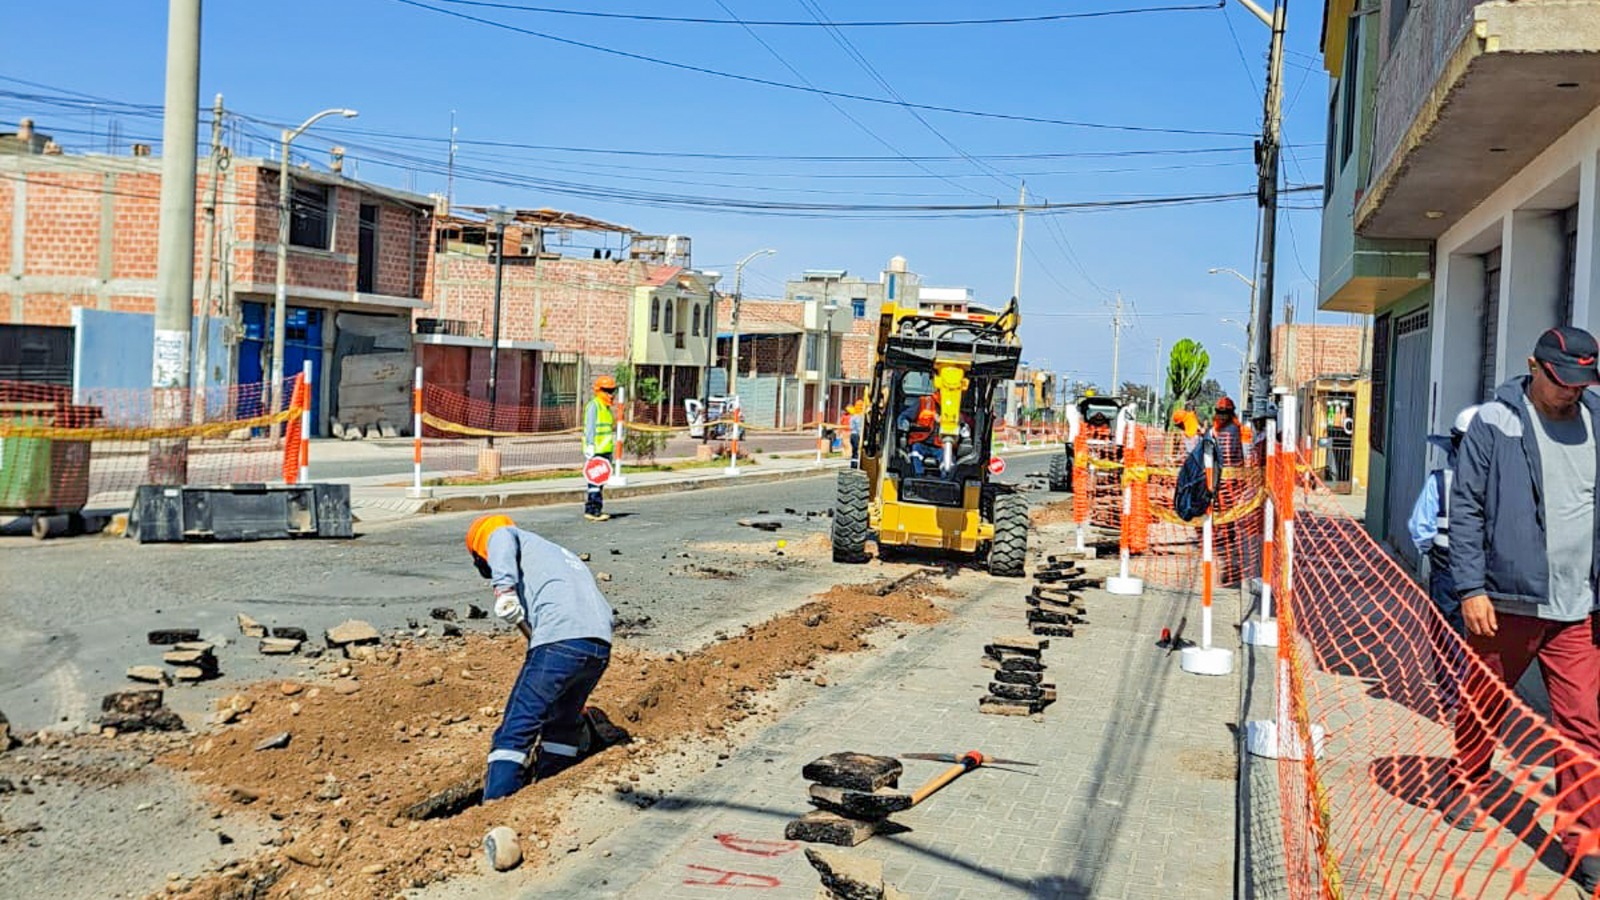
[1124,584]
[417,491]
[1205,659]
[1262,631]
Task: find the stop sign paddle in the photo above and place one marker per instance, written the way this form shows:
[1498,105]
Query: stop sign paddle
[597,470]
[997,466]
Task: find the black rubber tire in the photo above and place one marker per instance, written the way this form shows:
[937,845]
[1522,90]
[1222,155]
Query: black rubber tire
[1060,474]
[1008,555]
[850,526]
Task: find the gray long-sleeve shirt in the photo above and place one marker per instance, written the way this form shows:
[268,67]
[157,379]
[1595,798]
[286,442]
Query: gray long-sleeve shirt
[557,591]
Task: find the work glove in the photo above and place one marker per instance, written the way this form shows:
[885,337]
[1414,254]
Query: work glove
[509,608]
[588,452]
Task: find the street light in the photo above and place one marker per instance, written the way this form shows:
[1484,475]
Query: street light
[738,295]
[1249,331]
[823,366]
[500,217]
[280,309]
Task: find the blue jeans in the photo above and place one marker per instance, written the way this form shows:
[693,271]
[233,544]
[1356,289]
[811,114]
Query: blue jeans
[1449,665]
[547,702]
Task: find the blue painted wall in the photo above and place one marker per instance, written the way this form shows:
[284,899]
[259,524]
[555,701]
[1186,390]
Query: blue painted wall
[112,356]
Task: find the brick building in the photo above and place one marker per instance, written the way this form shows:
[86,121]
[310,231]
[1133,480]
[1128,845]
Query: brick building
[1303,353]
[78,242]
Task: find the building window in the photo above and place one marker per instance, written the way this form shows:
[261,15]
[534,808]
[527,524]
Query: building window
[811,353]
[858,307]
[1397,19]
[1348,81]
[694,320]
[655,313]
[1380,381]
[1490,325]
[309,217]
[666,317]
[1328,168]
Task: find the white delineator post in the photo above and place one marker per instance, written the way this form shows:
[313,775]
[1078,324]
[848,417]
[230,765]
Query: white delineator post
[1124,584]
[618,479]
[1263,630]
[305,428]
[417,491]
[733,450]
[1206,659]
[1278,738]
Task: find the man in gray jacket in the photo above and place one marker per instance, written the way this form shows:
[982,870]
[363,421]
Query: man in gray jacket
[1524,561]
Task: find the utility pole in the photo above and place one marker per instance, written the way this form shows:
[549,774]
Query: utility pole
[450,168]
[1267,196]
[1117,325]
[203,338]
[169,370]
[1161,377]
[1016,279]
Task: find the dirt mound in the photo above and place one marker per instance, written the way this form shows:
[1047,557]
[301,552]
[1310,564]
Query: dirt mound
[1056,513]
[417,720]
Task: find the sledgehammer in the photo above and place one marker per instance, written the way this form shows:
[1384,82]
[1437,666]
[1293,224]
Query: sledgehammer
[883,802]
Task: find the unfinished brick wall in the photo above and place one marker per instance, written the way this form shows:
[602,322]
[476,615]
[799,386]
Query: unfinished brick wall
[67,200]
[1317,350]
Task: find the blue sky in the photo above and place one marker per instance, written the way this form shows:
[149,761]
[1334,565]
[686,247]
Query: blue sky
[406,68]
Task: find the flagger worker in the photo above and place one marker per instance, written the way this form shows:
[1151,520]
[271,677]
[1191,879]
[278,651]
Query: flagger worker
[599,439]
[551,596]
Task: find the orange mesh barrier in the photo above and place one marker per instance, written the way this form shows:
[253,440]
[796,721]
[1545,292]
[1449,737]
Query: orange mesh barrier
[60,453]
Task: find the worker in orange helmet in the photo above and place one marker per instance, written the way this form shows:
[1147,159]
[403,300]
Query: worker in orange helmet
[919,422]
[551,597]
[853,423]
[599,439]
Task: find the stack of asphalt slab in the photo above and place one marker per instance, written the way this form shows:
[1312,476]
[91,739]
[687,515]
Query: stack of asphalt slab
[855,793]
[1055,604]
[1018,688]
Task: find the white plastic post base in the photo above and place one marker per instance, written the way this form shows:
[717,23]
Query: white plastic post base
[731,470]
[416,493]
[1261,632]
[1207,660]
[1124,586]
[618,481]
[1261,739]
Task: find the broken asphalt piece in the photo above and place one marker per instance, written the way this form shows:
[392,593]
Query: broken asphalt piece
[1049,617]
[1014,664]
[443,614]
[149,675]
[501,849]
[1052,630]
[276,646]
[139,709]
[850,877]
[583,557]
[5,733]
[291,634]
[615,552]
[761,524]
[250,628]
[860,804]
[996,706]
[167,636]
[1005,677]
[476,612]
[353,631]
[1021,644]
[857,771]
[1016,691]
[822,827]
[451,629]
[275,742]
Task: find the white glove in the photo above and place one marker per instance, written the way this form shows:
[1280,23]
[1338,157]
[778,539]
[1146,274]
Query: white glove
[588,452]
[509,608]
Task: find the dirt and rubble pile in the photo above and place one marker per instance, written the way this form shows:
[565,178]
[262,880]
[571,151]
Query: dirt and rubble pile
[415,719]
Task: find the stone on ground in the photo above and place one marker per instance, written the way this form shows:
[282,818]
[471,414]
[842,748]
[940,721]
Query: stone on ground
[353,631]
[847,876]
[501,848]
[250,627]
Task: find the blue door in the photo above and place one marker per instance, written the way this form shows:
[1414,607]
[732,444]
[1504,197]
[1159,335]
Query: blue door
[302,333]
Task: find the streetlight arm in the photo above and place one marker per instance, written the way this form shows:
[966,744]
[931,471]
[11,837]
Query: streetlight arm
[289,136]
[1258,12]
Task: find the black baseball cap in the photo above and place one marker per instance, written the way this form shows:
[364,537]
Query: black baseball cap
[1568,355]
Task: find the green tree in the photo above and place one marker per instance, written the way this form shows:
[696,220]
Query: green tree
[1186,374]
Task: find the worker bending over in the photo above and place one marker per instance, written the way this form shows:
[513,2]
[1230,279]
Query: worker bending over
[550,595]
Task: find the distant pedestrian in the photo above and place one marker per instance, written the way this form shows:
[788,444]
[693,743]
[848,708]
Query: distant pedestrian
[1230,552]
[1523,558]
[599,439]
[1430,523]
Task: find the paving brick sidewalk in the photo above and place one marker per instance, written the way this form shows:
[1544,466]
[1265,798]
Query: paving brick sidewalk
[1134,794]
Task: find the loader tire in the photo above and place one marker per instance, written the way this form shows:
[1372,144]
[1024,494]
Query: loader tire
[850,518]
[1060,474]
[1008,555]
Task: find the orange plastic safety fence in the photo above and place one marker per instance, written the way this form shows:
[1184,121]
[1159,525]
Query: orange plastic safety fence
[61,452]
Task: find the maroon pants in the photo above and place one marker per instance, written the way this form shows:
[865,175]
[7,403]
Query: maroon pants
[1569,658]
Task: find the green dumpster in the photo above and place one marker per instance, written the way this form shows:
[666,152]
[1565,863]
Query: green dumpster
[40,474]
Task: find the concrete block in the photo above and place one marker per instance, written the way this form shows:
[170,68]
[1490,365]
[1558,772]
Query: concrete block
[857,771]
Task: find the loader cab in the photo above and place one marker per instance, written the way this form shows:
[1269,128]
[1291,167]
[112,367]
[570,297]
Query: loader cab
[914,451]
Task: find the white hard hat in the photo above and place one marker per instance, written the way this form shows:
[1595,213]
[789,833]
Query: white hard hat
[1464,419]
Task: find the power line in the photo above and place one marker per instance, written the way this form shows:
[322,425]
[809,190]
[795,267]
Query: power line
[789,86]
[780,23]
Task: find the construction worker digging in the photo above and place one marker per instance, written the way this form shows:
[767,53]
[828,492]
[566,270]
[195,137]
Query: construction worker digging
[551,597]
[599,439]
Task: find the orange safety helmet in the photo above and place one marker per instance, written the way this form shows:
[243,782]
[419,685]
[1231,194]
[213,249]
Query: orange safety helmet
[1225,404]
[480,529]
[927,419]
[605,383]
